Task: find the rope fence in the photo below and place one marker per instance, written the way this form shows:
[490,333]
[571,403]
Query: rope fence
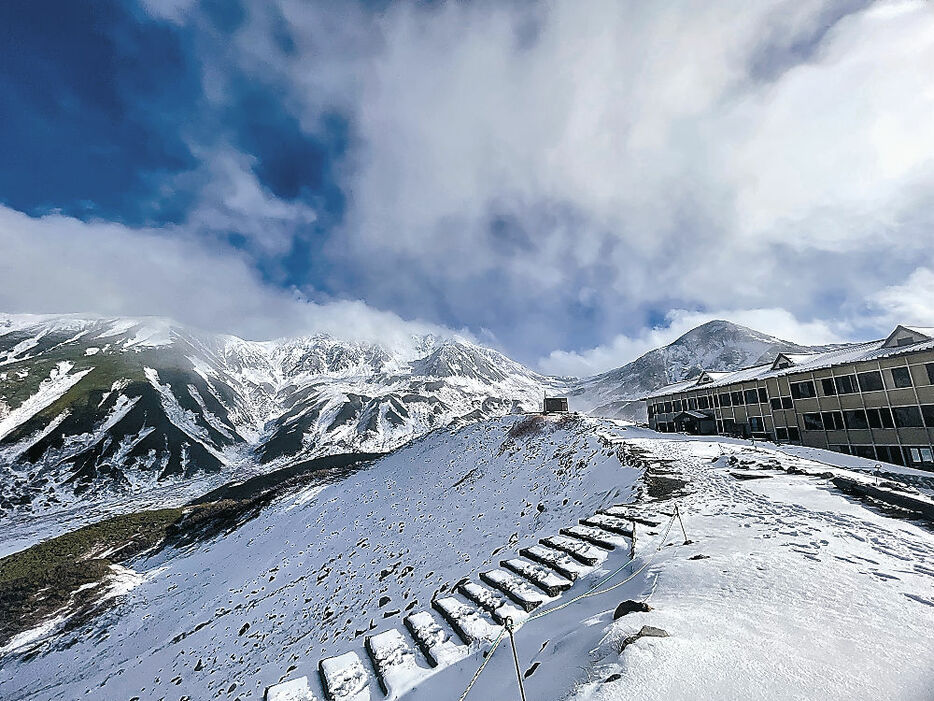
[594,591]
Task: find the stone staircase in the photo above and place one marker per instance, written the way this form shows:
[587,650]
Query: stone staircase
[468,618]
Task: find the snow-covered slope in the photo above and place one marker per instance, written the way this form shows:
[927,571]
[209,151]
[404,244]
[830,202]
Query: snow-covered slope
[785,588]
[320,569]
[714,346]
[102,406]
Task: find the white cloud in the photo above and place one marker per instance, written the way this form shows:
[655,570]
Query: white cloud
[555,173]
[910,302]
[57,264]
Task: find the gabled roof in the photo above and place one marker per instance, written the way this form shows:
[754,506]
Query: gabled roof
[908,336]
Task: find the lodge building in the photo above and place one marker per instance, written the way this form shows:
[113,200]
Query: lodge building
[875,400]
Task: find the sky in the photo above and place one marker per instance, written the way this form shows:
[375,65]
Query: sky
[572,182]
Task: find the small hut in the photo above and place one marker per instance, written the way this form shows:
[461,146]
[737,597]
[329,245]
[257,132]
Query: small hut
[555,405]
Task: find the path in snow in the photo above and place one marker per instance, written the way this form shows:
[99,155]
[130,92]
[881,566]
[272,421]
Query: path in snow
[797,592]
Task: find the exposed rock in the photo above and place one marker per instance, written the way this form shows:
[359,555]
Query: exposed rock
[630,606]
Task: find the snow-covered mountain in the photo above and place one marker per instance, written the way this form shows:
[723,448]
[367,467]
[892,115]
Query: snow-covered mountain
[714,346]
[91,405]
[97,407]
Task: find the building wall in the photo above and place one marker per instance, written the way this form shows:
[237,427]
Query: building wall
[820,420]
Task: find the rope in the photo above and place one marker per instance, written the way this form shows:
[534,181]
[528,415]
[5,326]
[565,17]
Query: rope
[485,660]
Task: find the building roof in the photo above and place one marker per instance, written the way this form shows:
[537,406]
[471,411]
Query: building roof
[693,415]
[800,362]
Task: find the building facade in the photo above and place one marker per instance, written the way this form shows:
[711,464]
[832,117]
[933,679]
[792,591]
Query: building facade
[875,400]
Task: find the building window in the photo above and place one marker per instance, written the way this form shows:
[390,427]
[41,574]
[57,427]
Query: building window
[676,405]
[833,420]
[864,451]
[667,407]
[756,425]
[787,403]
[794,434]
[841,448]
[828,387]
[737,398]
[813,422]
[930,368]
[703,403]
[901,377]
[927,412]
[729,425]
[781,433]
[725,400]
[907,416]
[802,390]
[921,456]
[692,403]
[845,384]
[890,453]
[870,381]
[855,419]
[763,396]
[776,402]
[880,418]
[751,396]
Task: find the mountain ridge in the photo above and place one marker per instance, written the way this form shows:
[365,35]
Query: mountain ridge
[95,406]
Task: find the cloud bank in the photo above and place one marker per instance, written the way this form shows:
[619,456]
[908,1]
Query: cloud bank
[547,175]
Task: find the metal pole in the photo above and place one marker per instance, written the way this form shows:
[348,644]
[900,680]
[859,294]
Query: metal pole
[515,657]
[683,532]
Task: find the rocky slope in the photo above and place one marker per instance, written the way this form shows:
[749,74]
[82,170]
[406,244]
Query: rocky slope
[104,406]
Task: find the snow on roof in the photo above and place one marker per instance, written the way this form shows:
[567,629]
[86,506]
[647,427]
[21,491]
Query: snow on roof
[872,350]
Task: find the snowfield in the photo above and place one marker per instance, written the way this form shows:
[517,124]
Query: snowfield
[788,589]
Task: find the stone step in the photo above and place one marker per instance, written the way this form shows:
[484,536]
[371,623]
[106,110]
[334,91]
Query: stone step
[466,621]
[541,576]
[291,690]
[436,643]
[625,513]
[515,588]
[608,523]
[560,562]
[492,601]
[595,536]
[397,669]
[576,548]
[344,678]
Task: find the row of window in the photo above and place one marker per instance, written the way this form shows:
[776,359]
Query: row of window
[830,386]
[884,417]
[922,456]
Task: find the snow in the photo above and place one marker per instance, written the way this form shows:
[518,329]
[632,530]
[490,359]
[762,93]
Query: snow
[798,591]
[293,690]
[345,678]
[789,589]
[50,389]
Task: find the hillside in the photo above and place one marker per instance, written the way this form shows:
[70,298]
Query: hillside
[384,563]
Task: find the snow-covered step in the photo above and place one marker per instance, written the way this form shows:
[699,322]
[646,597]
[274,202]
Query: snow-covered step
[393,658]
[541,576]
[497,605]
[560,562]
[467,621]
[439,647]
[576,548]
[624,512]
[608,523]
[344,678]
[292,690]
[515,588]
[595,536]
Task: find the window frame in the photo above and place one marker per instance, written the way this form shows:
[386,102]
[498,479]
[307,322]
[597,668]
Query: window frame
[902,372]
